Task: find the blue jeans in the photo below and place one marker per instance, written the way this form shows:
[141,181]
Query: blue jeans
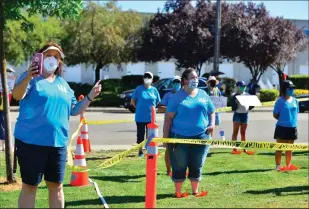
[183,156]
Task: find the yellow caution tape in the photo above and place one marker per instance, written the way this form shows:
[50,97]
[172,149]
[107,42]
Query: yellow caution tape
[69,148]
[223,144]
[101,122]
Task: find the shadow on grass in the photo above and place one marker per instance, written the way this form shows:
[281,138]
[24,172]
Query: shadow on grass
[64,185]
[236,171]
[115,200]
[98,158]
[296,190]
[119,179]
[295,153]
[210,154]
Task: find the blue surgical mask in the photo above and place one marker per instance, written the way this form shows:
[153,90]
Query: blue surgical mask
[290,92]
[193,83]
[176,86]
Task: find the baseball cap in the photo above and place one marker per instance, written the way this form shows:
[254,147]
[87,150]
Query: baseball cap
[148,75]
[176,78]
[288,84]
[240,83]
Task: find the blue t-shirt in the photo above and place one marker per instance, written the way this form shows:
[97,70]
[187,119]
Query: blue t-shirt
[145,99]
[44,112]
[166,98]
[287,112]
[191,114]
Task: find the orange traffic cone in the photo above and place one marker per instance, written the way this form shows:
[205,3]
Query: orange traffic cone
[79,178]
[85,136]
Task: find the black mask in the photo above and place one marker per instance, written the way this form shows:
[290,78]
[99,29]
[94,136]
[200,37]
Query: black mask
[212,84]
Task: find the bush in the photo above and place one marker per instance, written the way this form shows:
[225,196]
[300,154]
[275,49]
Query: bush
[79,88]
[268,95]
[229,85]
[301,92]
[130,80]
[107,99]
[112,85]
[300,81]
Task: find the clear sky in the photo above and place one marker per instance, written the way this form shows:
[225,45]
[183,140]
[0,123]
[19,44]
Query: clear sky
[287,9]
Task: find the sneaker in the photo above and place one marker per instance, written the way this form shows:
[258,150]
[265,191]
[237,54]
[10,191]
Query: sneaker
[201,194]
[292,167]
[181,195]
[278,167]
[249,152]
[283,169]
[236,152]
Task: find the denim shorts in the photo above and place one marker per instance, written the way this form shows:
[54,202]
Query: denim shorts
[183,156]
[240,117]
[35,161]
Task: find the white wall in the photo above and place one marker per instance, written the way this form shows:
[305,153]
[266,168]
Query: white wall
[166,69]
[303,69]
[135,68]
[73,74]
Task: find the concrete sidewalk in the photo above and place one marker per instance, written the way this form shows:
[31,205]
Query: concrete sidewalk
[123,110]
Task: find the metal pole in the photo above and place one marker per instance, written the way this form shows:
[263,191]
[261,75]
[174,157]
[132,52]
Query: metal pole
[217,36]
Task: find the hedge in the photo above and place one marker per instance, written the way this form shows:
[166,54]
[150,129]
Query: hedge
[128,80]
[301,92]
[268,95]
[230,84]
[300,81]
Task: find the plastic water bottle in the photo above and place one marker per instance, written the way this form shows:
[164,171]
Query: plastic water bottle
[222,135]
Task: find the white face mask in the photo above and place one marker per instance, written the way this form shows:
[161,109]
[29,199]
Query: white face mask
[193,83]
[50,64]
[147,81]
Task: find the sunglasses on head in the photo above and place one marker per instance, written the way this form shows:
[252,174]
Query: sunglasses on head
[147,76]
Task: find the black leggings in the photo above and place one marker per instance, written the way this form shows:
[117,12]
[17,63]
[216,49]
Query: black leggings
[141,129]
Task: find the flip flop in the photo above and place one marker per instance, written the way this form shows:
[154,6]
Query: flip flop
[201,194]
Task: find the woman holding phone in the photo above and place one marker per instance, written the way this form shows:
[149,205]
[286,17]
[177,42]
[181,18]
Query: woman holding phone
[42,127]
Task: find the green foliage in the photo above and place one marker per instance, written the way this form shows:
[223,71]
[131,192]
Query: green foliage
[107,99]
[206,75]
[300,81]
[268,95]
[19,45]
[229,85]
[301,92]
[102,35]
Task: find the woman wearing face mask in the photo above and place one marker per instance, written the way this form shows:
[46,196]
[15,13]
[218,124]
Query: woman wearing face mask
[187,116]
[214,91]
[285,111]
[176,86]
[143,98]
[240,117]
[42,127]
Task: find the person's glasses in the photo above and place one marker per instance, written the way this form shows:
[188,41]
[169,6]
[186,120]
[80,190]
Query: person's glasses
[147,76]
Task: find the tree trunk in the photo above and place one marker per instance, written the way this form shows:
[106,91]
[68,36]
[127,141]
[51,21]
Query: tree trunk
[7,123]
[198,69]
[97,72]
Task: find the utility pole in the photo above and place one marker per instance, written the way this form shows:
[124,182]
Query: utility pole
[217,36]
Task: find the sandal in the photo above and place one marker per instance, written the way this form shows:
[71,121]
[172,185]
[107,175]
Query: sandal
[201,194]
[181,195]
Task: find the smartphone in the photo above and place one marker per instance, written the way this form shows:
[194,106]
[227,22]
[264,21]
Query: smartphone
[37,58]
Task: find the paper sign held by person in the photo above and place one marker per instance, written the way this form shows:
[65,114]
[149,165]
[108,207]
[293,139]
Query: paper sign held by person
[219,102]
[249,100]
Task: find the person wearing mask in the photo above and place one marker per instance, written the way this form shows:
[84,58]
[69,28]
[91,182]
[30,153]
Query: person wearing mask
[143,98]
[176,86]
[10,80]
[42,127]
[285,111]
[240,117]
[213,90]
[187,117]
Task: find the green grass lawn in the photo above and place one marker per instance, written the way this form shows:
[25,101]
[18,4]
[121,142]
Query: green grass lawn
[237,181]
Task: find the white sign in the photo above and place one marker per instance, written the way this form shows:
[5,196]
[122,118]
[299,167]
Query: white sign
[249,100]
[219,102]
[11,81]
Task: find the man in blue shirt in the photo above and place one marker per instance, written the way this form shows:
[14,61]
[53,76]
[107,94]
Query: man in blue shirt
[143,99]
[176,86]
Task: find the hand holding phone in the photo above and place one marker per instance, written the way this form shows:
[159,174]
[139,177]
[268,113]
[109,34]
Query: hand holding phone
[37,60]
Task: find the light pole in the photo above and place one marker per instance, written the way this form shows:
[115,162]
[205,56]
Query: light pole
[217,36]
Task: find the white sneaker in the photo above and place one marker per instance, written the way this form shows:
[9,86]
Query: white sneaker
[278,167]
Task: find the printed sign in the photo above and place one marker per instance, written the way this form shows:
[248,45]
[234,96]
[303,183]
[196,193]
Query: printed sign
[249,100]
[219,102]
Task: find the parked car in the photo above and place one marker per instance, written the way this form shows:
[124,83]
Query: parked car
[163,86]
[303,105]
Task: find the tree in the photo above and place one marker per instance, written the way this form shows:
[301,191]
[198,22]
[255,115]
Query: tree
[292,40]
[102,35]
[12,10]
[19,45]
[251,38]
[181,32]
